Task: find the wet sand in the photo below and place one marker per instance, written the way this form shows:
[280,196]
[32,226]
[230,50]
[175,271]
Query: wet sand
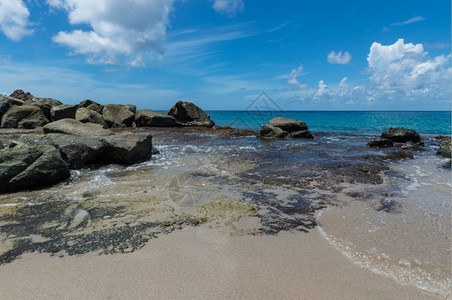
[203,263]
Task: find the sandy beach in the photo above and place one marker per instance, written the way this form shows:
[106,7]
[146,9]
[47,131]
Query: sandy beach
[203,263]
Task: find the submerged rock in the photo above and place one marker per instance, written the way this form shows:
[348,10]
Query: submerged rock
[118,115]
[402,135]
[303,134]
[289,125]
[147,117]
[24,117]
[188,114]
[24,168]
[271,132]
[380,143]
[445,147]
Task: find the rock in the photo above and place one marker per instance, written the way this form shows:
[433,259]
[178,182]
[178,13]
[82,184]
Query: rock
[155,151]
[74,127]
[86,115]
[380,143]
[271,132]
[45,104]
[400,154]
[25,168]
[3,146]
[11,100]
[447,165]
[4,107]
[80,216]
[411,146]
[445,147]
[289,125]
[25,117]
[147,117]
[188,114]
[91,105]
[76,151]
[63,111]
[303,134]
[87,102]
[127,148]
[118,116]
[21,95]
[402,135]
[131,107]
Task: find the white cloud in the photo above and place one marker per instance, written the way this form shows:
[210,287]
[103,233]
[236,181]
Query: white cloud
[121,30]
[14,19]
[407,67]
[339,58]
[409,21]
[293,76]
[228,7]
[322,88]
[343,82]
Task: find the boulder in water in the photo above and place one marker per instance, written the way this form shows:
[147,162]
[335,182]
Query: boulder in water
[380,143]
[289,125]
[445,147]
[188,114]
[271,132]
[402,135]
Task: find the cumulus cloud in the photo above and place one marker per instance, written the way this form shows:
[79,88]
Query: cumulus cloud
[14,19]
[228,7]
[339,58]
[121,30]
[343,82]
[409,21]
[293,76]
[406,67]
[322,88]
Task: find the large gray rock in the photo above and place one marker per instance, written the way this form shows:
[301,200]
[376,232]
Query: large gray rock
[380,143]
[21,95]
[187,113]
[445,147]
[91,105]
[302,134]
[402,135]
[45,104]
[24,117]
[86,115]
[131,107]
[289,125]
[4,107]
[118,116]
[271,132]
[11,100]
[127,148]
[147,117]
[74,127]
[63,111]
[23,168]
[76,151]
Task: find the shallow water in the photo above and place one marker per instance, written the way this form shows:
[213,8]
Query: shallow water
[392,216]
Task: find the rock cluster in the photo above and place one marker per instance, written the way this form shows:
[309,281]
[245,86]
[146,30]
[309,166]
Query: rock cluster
[405,138]
[283,128]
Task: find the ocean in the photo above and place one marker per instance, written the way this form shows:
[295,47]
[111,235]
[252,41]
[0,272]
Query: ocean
[362,122]
[387,212]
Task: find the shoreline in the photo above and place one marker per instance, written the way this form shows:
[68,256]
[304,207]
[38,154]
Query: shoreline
[198,262]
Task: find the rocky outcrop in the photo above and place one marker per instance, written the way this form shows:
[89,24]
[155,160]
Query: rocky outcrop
[380,143]
[402,135]
[283,128]
[63,111]
[24,117]
[188,114]
[127,148]
[289,125]
[76,151]
[21,95]
[271,132]
[117,116]
[24,168]
[147,117]
[445,147]
[86,115]
[91,105]
[74,127]
[45,104]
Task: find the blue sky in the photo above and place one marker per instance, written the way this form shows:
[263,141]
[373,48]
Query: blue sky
[221,54]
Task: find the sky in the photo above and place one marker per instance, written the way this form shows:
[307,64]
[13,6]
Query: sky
[222,54]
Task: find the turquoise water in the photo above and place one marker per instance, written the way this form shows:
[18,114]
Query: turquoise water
[362,122]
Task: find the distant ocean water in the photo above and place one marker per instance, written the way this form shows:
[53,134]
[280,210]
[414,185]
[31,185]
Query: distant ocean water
[362,122]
